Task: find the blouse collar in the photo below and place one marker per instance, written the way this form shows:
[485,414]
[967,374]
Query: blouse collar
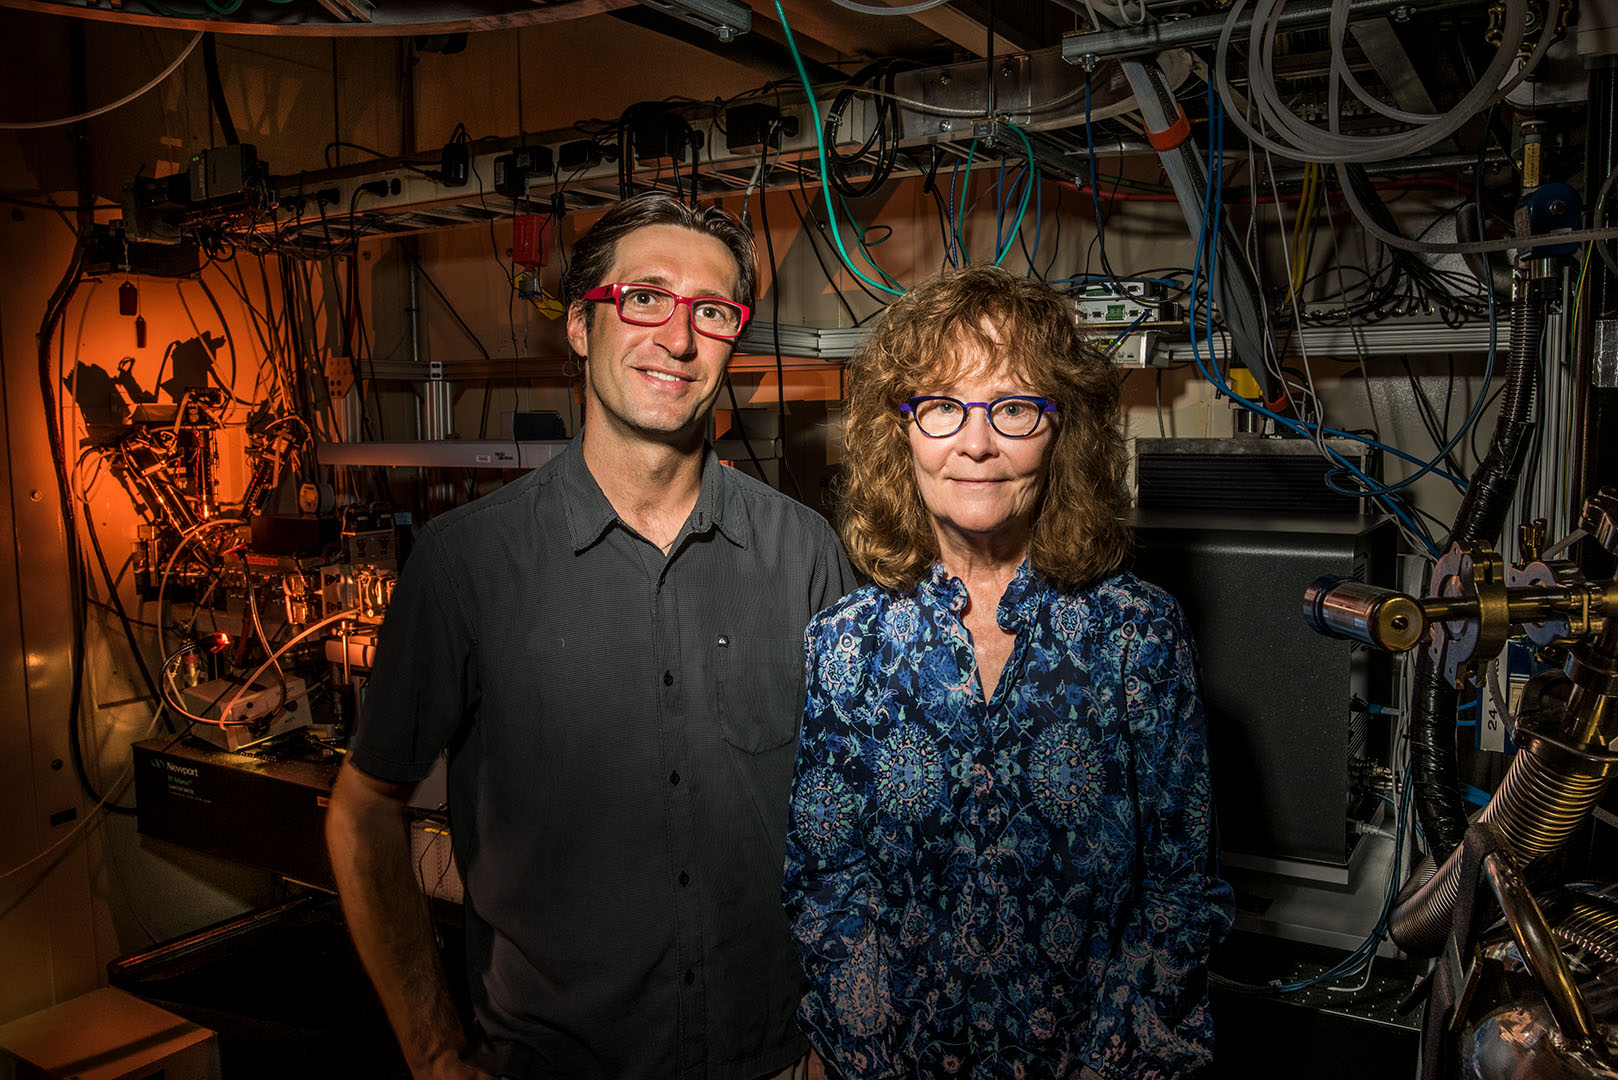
[1022,598]
[1019,603]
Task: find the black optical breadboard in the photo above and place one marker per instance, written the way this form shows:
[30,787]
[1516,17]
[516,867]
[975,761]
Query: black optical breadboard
[266,813]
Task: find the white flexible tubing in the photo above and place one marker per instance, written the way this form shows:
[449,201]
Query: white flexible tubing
[1310,143]
[312,628]
[1509,243]
[1416,140]
[36,125]
[1340,68]
[878,9]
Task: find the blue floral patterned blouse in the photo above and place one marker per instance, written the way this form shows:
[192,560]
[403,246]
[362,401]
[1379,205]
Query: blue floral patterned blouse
[1017,888]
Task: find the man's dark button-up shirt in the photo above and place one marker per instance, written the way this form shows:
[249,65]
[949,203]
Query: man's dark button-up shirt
[621,728]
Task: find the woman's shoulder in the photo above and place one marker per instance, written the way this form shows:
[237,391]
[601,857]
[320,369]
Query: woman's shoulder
[1128,597]
[856,612]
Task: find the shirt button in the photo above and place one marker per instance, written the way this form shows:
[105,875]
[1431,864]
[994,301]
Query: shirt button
[685,878]
[690,976]
[668,678]
[674,778]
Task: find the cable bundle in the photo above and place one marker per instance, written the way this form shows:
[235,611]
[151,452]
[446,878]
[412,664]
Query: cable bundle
[1300,140]
[884,136]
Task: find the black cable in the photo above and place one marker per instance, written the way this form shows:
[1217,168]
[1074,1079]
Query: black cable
[414,167]
[820,228]
[1100,241]
[1022,242]
[321,402]
[741,428]
[696,157]
[884,133]
[54,310]
[216,90]
[230,342]
[350,306]
[775,335]
[104,606]
[370,364]
[1436,431]
[450,307]
[123,618]
[810,233]
[929,185]
[1426,281]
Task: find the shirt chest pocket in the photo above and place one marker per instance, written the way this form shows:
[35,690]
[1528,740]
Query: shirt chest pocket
[760,691]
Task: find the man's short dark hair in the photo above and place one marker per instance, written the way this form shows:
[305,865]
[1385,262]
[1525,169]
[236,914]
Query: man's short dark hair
[597,249]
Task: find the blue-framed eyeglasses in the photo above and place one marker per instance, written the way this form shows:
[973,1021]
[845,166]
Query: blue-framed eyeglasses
[1016,416]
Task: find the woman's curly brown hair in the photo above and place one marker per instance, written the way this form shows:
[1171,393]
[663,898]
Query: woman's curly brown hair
[1079,535]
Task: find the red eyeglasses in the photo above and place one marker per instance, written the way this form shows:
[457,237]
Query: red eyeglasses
[650,305]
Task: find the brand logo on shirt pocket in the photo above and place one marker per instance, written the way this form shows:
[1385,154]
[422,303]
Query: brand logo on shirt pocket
[760,691]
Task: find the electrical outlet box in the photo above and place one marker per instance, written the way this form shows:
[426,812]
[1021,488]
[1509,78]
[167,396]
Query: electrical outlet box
[1122,303]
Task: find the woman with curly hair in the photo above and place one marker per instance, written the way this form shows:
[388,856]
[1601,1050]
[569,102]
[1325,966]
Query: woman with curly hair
[999,860]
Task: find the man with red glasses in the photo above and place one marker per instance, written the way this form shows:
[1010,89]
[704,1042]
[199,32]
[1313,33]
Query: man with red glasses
[611,650]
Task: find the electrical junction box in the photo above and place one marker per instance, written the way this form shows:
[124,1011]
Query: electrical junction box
[222,172]
[528,240]
[1122,303]
[107,1034]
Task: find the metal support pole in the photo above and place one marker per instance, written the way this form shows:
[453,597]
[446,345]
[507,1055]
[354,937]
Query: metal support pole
[1596,364]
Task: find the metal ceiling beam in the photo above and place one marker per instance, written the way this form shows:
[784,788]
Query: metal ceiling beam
[818,24]
[312,207]
[964,31]
[1409,335]
[311,215]
[333,18]
[761,53]
[1382,47]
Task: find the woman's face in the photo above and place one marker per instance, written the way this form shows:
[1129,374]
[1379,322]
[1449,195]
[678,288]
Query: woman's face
[980,487]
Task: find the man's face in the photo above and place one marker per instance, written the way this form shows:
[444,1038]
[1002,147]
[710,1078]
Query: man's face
[656,383]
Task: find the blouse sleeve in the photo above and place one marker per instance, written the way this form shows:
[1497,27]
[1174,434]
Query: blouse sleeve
[830,892]
[1153,1013]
